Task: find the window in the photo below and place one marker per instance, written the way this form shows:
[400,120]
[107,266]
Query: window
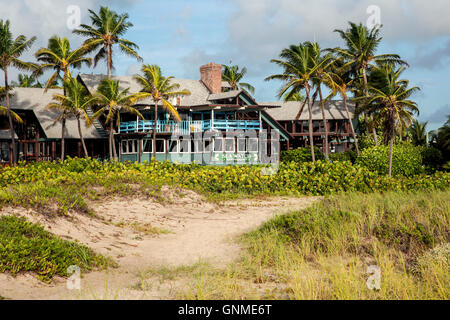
[218,145]
[160,146]
[129,146]
[252,145]
[241,145]
[148,146]
[229,145]
[173,146]
[184,145]
[207,146]
[197,146]
[4,151]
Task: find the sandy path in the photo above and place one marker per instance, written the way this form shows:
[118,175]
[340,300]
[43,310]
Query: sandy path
[198,230]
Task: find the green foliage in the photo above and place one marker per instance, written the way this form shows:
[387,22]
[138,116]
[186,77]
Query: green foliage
[432,158]
[323,251]
[418,132]
[406,160]
[408,222]
[68,184]
[344,156]
[25,246]
[301,155]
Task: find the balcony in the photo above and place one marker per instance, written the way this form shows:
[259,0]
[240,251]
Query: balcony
[186,127]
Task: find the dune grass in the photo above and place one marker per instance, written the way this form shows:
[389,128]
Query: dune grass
[25,246]
[323,252]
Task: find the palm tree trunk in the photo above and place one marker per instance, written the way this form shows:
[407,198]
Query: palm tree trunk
[311,142]
[113,143]
[63,142]
[111,155]
[391,144]
[11,124]
[81,138]
[351,123]
[154,130]
[109,62]
[325,125]
[366,89]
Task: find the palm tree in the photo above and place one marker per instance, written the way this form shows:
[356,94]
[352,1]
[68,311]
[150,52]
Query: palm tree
[26,81]
[298,96]
[419,133]
[233,76]
[343,83]
[359,54]
[160,89]
[322,75]
[4,112]
[113,102]
[106,30]
[298,71]
[59,57]
[10,51]
[390,102]
[75,103]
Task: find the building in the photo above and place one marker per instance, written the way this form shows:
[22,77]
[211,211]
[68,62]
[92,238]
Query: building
[219,126]
[338,124]
[38,138]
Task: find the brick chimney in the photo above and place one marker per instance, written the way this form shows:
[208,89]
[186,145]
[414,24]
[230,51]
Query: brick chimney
[211,76]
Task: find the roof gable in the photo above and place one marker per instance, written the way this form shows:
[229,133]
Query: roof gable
[36,100]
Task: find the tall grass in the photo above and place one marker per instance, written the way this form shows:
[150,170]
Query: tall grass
[323,252]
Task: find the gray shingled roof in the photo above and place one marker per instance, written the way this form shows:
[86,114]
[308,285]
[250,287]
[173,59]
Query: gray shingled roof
[288,110]
[6,135]
[224,95]
[199,93]
[226,84]
[35,99]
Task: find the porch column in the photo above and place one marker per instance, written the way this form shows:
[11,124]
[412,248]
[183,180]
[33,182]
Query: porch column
[53,150]
[140,150]
[10,153]
[260,120]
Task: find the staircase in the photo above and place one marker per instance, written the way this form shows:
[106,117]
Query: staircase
[97,125]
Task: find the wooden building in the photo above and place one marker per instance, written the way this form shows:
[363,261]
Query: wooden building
[38,138]
[297,125]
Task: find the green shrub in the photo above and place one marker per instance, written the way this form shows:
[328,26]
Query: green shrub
[432,158]
[344,156]
[301,155]
[25,246]
[366,141]
[406,159]
[43,185]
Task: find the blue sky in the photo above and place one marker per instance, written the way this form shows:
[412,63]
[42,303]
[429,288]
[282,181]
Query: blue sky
[182,35]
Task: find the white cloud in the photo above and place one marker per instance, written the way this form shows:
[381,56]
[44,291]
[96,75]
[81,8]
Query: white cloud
[45,18]
[260,28]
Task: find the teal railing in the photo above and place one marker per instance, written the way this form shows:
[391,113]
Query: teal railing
[184,127]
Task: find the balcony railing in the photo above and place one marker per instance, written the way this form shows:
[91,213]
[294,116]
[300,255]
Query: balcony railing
[186,127]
